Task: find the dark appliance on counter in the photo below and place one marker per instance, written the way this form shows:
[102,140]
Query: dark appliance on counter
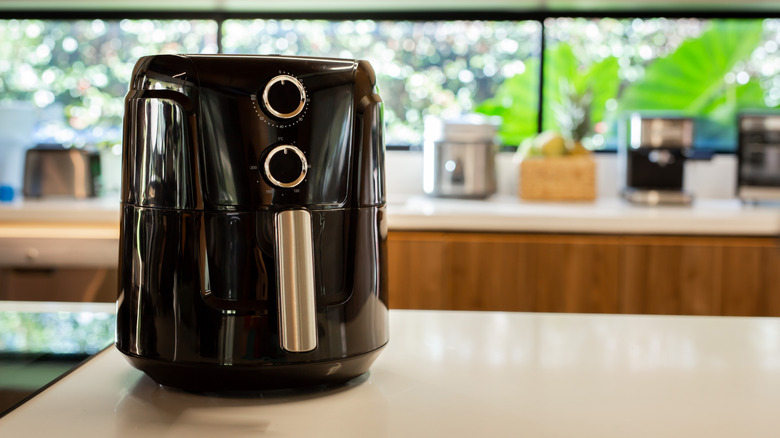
[253,229]
[54,170]
[653,159]
[758,156]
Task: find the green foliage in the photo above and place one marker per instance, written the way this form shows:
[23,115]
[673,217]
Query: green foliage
[575,96]
[691,79]
[723,108]
[78,71]
[697,78]
[516,102]
[60,332]
[82,68]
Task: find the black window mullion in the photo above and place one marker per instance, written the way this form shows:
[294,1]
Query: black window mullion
[540,93]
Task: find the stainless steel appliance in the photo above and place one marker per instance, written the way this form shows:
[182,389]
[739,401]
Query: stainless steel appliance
[459,157]
[653,160]
[53,170]
[758,156]
[253,222]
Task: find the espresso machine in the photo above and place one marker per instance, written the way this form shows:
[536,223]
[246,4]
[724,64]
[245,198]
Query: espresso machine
[653,159]
[758,157]
[253,222]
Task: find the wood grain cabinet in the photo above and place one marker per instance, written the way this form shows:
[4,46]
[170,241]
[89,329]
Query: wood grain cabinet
[584,273]
[475,271]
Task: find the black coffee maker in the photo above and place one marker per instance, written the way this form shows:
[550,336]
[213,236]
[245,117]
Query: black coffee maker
[653,158]
[253,228]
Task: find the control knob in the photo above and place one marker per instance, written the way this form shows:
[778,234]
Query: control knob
[284,96]
[285,166]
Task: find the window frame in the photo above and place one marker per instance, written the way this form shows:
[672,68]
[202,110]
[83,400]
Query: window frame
[404,15]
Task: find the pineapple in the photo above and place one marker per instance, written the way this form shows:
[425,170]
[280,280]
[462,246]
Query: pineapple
[572,115]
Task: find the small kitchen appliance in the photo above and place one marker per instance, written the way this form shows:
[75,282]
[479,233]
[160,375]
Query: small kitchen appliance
[653,160]
[253,227]
[54,170]
[459,157]
[758,156]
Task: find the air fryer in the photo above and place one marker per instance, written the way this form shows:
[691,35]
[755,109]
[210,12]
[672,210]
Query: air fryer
[253,227]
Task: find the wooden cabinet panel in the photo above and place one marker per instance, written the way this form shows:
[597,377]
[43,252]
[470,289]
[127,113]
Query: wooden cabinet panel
[61,284]
[574,274]
[585,273]
[503,272]
[416,272]
[750,275]
[661,275]
[486,274]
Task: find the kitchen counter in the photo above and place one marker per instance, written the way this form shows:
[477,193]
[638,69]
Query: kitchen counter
[724,217]
[60,232]
[497,213]
[61,210]
[466,374]
[42,233]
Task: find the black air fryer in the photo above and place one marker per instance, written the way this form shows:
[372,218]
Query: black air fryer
[253,230]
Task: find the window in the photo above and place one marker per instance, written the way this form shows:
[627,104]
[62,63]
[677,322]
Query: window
[438,68]
[705,69]
[70,77]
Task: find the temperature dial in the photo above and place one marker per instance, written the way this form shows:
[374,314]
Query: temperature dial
[284,97]
[285,166]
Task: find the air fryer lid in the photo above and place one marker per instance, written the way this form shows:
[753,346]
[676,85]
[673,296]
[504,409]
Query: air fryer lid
[260,131]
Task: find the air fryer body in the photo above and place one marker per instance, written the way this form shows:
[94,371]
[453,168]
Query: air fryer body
[253,229]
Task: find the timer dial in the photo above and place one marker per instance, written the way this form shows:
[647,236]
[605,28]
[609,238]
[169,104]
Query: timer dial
[284,96]
[285,166]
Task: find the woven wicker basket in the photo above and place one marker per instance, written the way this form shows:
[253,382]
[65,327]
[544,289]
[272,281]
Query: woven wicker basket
[566,178]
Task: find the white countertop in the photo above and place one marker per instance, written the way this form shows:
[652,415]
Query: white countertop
[467,374]
[63,210]
[60,232]
[604,216]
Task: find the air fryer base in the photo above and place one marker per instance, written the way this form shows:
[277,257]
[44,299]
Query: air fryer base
[243,378]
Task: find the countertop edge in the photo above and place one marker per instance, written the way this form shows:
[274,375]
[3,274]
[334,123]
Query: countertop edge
[727,217]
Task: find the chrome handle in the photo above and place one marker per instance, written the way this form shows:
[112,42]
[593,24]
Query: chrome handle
[295,271]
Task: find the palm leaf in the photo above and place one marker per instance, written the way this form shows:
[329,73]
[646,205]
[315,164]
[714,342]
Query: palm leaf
[692,78]
[516,102]
[566,80]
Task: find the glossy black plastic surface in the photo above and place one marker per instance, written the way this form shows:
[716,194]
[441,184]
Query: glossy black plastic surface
[228,380]
[643,172]
[199,133]
[198,285]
